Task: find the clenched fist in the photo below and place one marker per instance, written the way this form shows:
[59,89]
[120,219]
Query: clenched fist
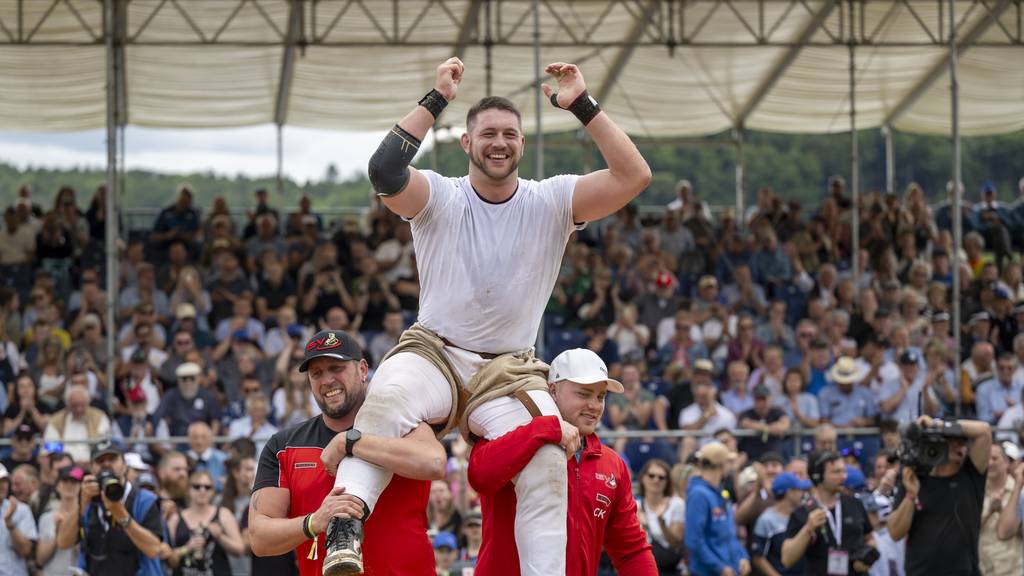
[449,75]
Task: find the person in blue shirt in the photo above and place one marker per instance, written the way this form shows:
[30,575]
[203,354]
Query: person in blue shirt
[995,395]
[842,402]
[714,549]
[770,530]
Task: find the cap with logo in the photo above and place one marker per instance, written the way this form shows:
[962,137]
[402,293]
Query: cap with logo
[24,432]
[73,473]
[104,448]
[335,344]
[909,357]
[582,366]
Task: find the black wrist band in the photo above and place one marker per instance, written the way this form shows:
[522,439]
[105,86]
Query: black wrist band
[584,107]
[434,102]
[305,526]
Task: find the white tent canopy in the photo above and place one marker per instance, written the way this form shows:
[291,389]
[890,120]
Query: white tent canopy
[661,67]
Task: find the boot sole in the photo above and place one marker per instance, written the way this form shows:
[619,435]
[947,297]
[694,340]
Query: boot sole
[342,566]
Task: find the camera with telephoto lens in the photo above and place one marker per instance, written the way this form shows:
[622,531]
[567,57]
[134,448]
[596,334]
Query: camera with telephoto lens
[111,486]
[922,449]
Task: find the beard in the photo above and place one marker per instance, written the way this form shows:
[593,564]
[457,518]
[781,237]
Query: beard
[480,161]
[350,404]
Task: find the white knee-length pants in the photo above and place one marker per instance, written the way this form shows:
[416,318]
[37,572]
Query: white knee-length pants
[407,389]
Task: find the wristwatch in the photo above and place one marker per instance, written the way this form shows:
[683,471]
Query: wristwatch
[351,437]
[124,521]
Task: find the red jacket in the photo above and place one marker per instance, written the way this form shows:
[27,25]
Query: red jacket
[602,512]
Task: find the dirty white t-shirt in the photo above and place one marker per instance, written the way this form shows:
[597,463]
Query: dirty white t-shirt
[487,270]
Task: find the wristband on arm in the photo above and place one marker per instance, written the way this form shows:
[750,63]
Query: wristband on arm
[434,102]
[584,107]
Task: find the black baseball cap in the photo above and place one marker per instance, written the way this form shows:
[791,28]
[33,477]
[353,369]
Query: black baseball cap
[103,448]
[25,432]
[331,344]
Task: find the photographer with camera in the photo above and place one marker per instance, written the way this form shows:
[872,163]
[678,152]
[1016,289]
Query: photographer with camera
[831,530]
[939,499]
[118,523]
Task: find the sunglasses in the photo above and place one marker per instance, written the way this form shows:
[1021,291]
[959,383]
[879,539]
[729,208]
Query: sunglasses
[658,477]
[202,487]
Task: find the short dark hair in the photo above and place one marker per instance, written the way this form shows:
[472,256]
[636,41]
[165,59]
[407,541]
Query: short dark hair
[491,103]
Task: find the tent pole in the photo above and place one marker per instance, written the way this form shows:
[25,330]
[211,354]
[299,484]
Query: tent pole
[538,102]
[280,160]
[111,219]
[740,165]
[958,189]
[890,160]
[854,170]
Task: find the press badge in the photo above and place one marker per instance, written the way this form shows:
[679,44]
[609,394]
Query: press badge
[838,562]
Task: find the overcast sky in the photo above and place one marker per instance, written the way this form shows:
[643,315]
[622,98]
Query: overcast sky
[249,151]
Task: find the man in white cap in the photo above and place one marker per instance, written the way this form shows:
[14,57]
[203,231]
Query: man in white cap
[602,512]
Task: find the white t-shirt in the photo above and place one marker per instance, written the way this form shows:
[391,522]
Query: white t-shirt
[487,270]
[723,418]
[674,513]
[63,560]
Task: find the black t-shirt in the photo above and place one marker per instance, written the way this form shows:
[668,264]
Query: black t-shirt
[109,551]
[276,294]
[855,527]
[755,446]
[13,409]
[948,512]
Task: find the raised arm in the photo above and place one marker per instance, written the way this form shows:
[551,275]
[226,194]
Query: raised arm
[403,189]
[603,192]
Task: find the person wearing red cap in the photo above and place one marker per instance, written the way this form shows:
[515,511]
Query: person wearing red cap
[602,512]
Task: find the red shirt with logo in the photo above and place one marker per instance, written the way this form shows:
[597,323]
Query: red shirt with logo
[602,512]
[395,539]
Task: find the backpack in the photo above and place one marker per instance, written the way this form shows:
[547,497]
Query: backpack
[144,500]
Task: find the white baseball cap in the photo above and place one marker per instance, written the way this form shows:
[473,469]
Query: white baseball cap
[582,366]
[134,461]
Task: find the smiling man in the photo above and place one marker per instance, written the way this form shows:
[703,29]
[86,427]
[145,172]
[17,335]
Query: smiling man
[489,247]
[293,496]
[602,512]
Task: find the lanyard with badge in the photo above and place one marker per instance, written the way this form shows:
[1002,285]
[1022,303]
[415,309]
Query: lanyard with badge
[838,560]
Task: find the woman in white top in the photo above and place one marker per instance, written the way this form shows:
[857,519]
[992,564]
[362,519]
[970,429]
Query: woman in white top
[661,515]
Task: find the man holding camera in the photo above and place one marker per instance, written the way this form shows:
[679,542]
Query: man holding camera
[940,512]
[120,523]
[831,531]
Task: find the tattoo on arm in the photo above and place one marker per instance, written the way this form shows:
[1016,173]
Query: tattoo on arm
[255,503]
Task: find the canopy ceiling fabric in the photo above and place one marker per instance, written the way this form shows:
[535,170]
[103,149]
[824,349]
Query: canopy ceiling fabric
[218,63]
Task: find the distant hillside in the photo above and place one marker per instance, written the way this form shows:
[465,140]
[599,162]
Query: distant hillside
[795,166]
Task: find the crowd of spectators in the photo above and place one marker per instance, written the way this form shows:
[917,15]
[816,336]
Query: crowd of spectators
[744,328]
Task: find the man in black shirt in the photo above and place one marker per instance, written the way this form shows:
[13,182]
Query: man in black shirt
[769,420]
[940,514]
[830,529]
[120,537]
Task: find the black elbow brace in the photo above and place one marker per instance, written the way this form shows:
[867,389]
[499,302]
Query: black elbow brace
[389,165]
